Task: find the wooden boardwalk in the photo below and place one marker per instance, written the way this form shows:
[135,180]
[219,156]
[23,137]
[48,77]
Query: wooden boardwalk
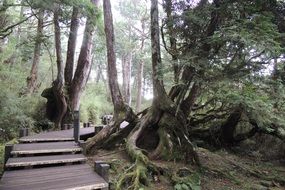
[51,161]
[73,177]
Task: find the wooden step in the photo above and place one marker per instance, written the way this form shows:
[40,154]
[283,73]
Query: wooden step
[44,160]
[43,139]
[73,177]
[56,136]
[46,148]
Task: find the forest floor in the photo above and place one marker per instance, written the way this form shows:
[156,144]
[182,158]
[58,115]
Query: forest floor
[221,170]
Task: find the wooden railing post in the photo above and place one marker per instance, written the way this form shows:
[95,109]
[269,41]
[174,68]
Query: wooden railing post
[76,126]
[23,132]
[8,150]
[65,126]
[83,144]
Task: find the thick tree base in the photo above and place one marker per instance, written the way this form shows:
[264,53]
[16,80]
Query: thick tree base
[156,135]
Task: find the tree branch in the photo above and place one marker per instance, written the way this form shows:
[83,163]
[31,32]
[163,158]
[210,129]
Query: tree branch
[2,32]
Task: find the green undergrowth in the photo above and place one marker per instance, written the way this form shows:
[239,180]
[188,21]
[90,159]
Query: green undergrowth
[2,150]
[189,181]
[95,103]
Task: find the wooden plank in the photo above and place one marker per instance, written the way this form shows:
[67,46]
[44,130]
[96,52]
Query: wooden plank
[71,177]
[63,135]
[52,147]
[46,139]
[44,160]
[45,171]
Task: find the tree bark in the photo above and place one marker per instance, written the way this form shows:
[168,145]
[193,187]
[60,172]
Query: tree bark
[228,128]
[122,112]
[188,103]
[140,69]
[117,98]
[126,68]
[58,49]
[3,22]
[68,72]
[32,79]
[157,75]
[139,87]
[84,62]
[172,40]
[58,84]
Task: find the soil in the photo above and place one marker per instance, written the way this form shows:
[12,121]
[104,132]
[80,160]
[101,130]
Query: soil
[221,170]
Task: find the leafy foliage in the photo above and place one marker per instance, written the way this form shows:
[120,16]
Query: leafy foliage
[95,103]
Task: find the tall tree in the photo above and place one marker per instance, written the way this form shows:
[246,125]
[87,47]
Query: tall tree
[122,112]
[64,103]
[32,81]
[139,86]
[126,71]
[84,61]
[74,25]
[172,39]
[58,84]
[154,132]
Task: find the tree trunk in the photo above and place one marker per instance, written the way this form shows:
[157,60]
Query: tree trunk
[157,75]
[139,87]
[58,50]
[3,21]
[172,40]
[117,98]
[159,133]
[68,72]
[228,128]
[84,63]
[58,84]
[122,112]
[188,103]
[126,70]
[32,79]
[99,74]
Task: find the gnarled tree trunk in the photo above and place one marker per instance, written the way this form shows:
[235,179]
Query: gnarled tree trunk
[55,94]
[160,132]
[58,84]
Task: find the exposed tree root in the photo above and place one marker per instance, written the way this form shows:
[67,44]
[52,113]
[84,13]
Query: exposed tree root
[112,134]
[168,147]
[137,175]
[134,178]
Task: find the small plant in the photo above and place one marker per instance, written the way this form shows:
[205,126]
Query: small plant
[186,180]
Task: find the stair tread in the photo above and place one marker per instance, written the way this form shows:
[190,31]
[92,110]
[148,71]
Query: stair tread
[47,147]
[43,160]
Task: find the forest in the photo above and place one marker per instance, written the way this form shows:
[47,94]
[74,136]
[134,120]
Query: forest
[200,84]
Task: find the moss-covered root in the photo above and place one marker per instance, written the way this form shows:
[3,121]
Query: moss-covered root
[134,178]
[137,176]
